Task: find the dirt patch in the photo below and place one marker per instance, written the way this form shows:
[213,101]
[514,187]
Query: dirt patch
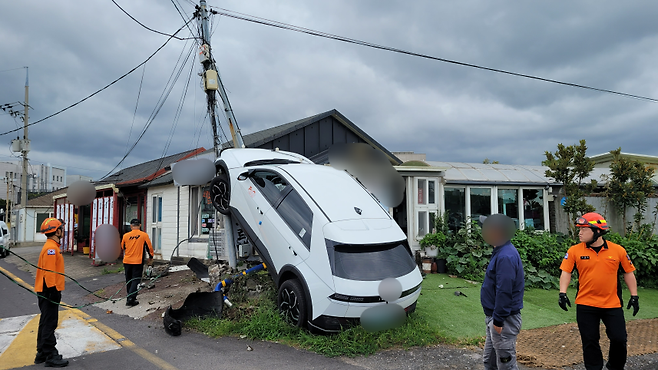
[556,347]
[167,290]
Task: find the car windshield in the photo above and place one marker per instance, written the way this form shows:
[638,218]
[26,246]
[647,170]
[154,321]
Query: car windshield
[370,262]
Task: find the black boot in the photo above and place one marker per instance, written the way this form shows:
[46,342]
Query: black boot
[56,361]
[42,357]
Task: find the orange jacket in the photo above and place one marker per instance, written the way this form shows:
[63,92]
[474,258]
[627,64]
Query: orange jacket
[50,259]
[598,283]
[134,243]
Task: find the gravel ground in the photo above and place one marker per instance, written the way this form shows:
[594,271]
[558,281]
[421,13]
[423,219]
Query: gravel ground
[449,357]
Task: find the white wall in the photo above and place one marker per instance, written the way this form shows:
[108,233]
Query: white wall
[173,219]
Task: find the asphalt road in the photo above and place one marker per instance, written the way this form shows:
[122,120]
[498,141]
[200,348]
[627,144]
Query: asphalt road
[152,347]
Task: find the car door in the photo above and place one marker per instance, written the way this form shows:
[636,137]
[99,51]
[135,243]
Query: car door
[266,190]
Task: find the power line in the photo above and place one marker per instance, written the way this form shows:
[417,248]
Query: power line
[149,28]
[103,88]
[163,98]
[11,69]
[290,27]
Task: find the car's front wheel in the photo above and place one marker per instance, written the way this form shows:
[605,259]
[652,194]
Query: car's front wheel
[292,303]
[220,194]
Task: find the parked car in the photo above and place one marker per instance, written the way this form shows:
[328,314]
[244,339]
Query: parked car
[327,242]
[4,240]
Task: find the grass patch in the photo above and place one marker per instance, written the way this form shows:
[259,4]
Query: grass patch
[117,270]
[440,317]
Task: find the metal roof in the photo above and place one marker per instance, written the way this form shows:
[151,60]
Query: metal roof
[503,174]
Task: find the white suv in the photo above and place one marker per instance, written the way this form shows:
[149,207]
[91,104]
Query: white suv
[327,242]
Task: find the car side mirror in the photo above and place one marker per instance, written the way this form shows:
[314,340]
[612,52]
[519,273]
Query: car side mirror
[245,175]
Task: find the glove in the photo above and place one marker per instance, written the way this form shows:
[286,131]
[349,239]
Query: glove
[634,302]
[564,301]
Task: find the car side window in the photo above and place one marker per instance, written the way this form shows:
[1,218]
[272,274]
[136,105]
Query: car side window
[299,217]
[271,185]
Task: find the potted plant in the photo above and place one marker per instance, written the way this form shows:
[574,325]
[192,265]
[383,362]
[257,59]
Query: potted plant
[432,242]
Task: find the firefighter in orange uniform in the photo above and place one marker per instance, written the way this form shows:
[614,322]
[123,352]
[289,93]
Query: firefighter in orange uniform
[49,286]
[134,244]
[598,298]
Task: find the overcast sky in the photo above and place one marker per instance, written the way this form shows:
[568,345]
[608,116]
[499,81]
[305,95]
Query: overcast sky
[273,76]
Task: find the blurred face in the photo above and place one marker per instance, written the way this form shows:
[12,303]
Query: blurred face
[493,236]
[585,234]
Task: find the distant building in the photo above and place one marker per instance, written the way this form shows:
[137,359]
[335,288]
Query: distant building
[42,178]
[70,179]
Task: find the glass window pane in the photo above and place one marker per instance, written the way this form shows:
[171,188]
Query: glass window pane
[158,246]
[455,199]
[508,204]
[207,211]
[370,262]
[533,208]
[154,210]
[271,185]
[421,191]
[432,220]
[299,217]
[194,211]
[159,209]
[422,223]
[480,202]
[154,236]
[431,192]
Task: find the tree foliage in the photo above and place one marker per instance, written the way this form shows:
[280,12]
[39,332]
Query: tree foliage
[629,185]
[570,166]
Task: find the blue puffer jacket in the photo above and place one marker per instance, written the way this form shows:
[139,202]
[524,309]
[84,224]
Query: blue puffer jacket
[502,290]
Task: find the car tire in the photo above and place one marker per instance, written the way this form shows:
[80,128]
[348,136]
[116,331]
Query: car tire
[220,194]
[292,303]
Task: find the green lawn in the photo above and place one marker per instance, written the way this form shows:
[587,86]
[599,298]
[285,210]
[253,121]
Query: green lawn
[461,318]
[440,317]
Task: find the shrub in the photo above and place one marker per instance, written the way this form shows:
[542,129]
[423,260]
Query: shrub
[466,253]
[643,251]
[542,254]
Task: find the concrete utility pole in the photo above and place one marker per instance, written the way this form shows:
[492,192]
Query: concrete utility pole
[25,148]
[213,82]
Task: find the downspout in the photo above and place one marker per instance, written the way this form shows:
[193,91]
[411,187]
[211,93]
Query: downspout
[178,221]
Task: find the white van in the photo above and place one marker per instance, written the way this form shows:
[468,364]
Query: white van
[4,239]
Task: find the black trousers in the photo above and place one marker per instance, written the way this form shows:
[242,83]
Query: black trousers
[48,305]
[133,278]
[589,319]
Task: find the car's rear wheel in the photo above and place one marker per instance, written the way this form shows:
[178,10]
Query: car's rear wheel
[220,194]
[292,303]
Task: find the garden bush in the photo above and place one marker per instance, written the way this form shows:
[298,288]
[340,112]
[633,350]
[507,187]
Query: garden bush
[467,255]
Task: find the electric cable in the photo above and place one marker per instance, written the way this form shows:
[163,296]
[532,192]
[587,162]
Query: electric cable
[11,69]
[139,93]
[183,17]
[163,98]
[149,28]
[103,88]
[105,299]
[290,27]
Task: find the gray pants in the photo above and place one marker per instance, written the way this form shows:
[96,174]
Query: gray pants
[500,349]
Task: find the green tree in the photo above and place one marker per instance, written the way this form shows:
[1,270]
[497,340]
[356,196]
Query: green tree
[570,166]
[629,185]
[488,161]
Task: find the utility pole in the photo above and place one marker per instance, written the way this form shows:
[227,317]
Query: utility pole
[213,82]
[25,148]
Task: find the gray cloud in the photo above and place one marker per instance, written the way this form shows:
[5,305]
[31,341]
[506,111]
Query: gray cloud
[274,76]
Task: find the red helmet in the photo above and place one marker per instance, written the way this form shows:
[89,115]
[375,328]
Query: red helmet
[592,220]
[50,225]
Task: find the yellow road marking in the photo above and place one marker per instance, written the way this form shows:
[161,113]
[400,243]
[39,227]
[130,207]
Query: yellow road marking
[18,354]
[116,336]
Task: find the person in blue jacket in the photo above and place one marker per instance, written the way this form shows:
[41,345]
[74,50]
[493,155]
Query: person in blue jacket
[502,294]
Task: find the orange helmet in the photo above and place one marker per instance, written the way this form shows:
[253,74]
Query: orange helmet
[50,225]
[592,220]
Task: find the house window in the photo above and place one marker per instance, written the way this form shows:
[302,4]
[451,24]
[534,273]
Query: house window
[508,204]
[480,202]
[422,191]
[431,192]
[156,222]
[533,208]
[422,223]
[455,206]
[202,213]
